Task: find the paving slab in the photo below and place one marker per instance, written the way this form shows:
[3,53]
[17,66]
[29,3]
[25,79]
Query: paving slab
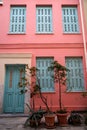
[16,123]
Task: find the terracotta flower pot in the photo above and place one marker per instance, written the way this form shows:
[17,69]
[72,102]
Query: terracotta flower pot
[62,119]
[50,120]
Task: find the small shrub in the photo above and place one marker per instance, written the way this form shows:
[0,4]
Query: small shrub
[86,119]
[74,119]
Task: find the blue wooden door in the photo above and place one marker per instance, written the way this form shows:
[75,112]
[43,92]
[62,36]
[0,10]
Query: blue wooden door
[13,99]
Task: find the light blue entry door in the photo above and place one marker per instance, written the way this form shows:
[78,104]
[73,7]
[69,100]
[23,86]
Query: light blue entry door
[13,99]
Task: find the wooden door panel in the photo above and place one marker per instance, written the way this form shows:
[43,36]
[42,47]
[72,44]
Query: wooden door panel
[13,99]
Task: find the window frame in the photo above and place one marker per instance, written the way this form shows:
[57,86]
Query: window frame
[41,74]
[73,76]
[50,30]
[21,24]
[72,20]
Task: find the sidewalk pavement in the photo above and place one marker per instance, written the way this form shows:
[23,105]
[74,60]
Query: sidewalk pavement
[16,123]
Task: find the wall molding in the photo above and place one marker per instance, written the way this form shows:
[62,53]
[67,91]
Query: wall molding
[16,55]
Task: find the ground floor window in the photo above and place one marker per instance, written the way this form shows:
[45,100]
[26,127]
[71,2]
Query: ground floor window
[46,81]
[75,77]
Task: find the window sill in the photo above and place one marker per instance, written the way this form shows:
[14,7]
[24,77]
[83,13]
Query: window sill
[47,92]
[79,33]
[16,33]
[37,33]
[73,91]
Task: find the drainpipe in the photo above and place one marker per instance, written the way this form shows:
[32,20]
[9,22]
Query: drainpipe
[83,32]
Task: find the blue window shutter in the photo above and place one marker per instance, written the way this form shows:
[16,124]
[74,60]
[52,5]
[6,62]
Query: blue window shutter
[44,19]
[18,20]
[75,77]
[70,19]
[46,81]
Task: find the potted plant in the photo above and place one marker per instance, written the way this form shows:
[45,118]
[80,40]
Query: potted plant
[35,116]
[49,115]
[50,120]
[74,118]
[59,77]
[85,120]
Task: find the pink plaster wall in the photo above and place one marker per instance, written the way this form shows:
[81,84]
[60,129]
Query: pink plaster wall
[57,44]
[31,36]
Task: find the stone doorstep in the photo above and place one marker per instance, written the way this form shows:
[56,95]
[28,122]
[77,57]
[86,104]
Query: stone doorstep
[13,115]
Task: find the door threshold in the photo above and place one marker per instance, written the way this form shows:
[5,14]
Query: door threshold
[13,115]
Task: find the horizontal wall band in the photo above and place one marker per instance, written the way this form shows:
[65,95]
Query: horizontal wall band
[16,55]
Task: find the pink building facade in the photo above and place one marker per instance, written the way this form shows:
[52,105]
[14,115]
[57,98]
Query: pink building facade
[36,33]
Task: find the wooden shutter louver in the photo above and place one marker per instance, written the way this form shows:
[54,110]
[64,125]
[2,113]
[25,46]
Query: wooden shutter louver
[17,20]
[75,78]
[46,81]
[70,20]
[44,19]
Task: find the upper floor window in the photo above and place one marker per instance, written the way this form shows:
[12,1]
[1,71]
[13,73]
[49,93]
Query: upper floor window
[44,19]
[70,19]
[17,19]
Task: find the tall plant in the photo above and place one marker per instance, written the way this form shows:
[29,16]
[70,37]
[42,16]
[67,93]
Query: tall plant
[34,83]
[59,77]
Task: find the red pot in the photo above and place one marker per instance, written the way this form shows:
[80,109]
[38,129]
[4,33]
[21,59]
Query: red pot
[50,120]
[62,119]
